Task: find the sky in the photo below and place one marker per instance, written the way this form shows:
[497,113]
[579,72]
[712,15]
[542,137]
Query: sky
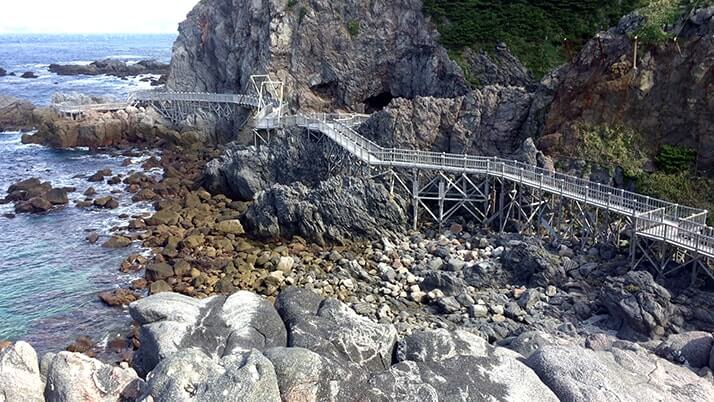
[93,16]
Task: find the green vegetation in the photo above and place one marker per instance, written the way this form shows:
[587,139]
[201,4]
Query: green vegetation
[545,34]
[535,31]
[675,180]
[674,159]
[292,3]
[612,146]
[662,13]
[353,28]
[458,58]
[659,14]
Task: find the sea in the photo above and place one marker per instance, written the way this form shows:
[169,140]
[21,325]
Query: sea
[49,274]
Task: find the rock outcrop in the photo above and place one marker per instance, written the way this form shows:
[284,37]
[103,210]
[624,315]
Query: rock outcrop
[639,302]
[499,67]
[218,326]
[16,114]
[112,67]
[97,130]
[339,210]
[692,348]
[486,122]
[667,98]
[33,195]
[331,55]
[625,373]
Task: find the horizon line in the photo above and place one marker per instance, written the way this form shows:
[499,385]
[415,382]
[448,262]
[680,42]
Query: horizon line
[87,33]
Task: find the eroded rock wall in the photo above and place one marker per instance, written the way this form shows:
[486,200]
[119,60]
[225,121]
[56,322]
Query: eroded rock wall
[668,98]
[330,54]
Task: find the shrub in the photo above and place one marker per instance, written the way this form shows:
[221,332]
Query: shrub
[612,146]
[533,30]
[353,28]
[675,159]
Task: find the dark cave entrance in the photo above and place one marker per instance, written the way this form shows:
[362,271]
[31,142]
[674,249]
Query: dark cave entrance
[377,102]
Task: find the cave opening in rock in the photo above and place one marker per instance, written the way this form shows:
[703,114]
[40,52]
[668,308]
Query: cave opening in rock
[377,102]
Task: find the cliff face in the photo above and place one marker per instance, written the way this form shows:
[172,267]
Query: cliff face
[354,55]
[668,98]
[483,122]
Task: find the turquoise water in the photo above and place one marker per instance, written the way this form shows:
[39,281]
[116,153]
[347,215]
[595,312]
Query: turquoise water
[49,274]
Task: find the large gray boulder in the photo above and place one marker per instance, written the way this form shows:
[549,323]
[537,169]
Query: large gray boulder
[219,326]
[191,375]
[333,330]
[20,374]
[74,377]
[339,210]
[531,265]
[693,348]
[639,302]
[304,375]
[579,374]
[457,366]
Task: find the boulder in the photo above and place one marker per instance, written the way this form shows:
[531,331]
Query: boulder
[530,265]
[304,375]
[20,374]
[339,210]
[441,365]
[40,204]
[638,302]
[29,74]
[162,270]
[117,242]
[118,297]
[160,286]
[693,348]
[74,377]
[163,217]
[218,326]
[230,227]
[333,330]
[579,374]
[192,375]
[57,196]
[107,202]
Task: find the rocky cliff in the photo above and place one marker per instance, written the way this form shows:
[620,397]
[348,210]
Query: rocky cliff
[354,55]
[667,97]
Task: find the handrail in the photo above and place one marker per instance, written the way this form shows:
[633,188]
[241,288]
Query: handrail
[676,224]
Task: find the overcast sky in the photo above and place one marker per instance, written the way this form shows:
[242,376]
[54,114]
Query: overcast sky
[93,16]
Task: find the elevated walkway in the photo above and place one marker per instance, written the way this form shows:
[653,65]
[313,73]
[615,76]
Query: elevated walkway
[680,226]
